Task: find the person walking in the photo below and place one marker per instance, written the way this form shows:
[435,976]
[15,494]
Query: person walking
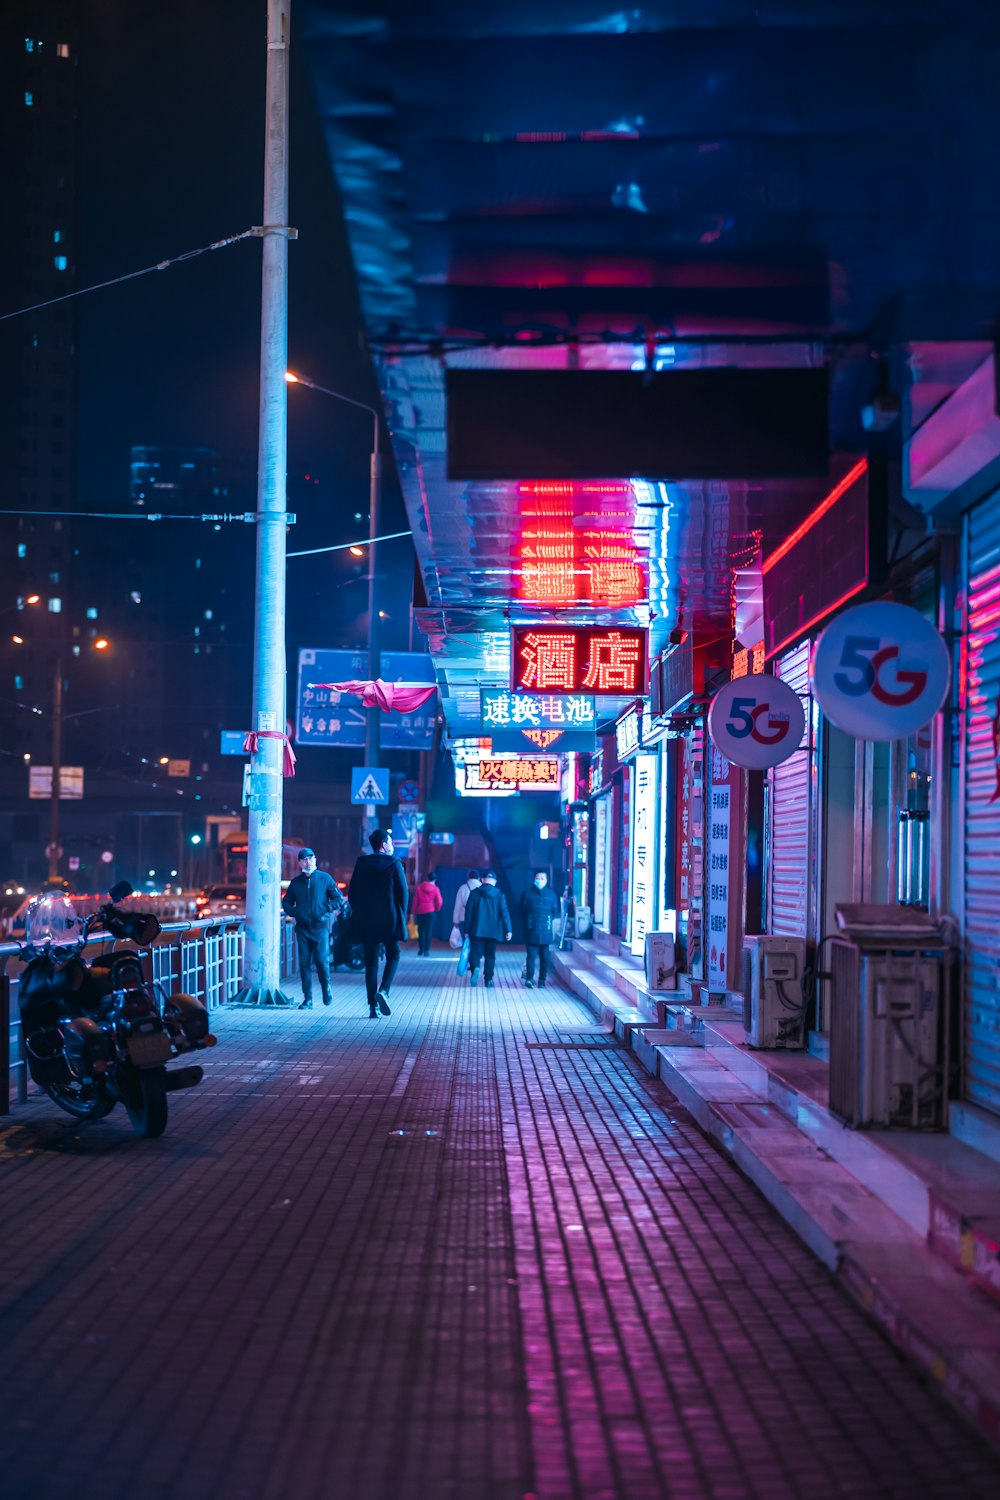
[471,883]
[539,908]
[427,901]
[487,923]
[377,894]
[312,896]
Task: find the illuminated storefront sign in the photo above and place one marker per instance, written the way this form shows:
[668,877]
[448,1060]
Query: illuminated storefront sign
[717,873]
[578,659]
[642,903]
[749,662]
[514,773]
[628,733]
[537,721]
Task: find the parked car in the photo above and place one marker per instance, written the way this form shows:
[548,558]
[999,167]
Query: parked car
[221,901]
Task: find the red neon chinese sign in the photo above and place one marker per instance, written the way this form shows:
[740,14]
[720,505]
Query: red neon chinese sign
[579,659]
[513,773]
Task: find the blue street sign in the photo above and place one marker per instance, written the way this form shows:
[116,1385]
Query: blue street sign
[370,784]
[322,715]
[406,829]
[408,792]
[442,838]
[325,717]
[408,731]
[231,742]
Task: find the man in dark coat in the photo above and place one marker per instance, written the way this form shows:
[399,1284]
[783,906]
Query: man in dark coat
[310,899]
[378,898]
[539,909]
[487,922]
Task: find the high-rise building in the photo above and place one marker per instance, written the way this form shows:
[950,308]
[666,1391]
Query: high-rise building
[39,100]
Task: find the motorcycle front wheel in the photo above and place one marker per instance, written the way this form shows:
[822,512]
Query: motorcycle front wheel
[83,1102]
[145,1100]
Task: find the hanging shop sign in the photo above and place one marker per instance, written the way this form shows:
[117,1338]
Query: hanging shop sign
[642,902]
[579,659]
[628,733]
[514,773]
[522,722]
[756,722]
[717,868]
[880,671]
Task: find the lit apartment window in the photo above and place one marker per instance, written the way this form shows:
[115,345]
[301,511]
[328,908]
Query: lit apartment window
[29,98]
[91,613]
[62,49]
[55,606]
[29,44]
[22,549]
[19,683]
[60,262]
[57,237]
[76,651]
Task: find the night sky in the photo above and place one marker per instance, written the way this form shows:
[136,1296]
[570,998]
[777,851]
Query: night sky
[172,137]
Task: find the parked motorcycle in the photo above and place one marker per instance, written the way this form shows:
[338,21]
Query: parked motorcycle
[99,1034]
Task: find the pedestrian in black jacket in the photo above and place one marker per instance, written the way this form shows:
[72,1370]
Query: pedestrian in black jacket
[378,898]
[539,909]
[487,922]
[311,898]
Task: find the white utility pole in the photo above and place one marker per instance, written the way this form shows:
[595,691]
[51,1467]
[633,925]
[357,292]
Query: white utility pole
[261,979]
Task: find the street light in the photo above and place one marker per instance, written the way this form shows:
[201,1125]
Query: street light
[57,722]
[372,721]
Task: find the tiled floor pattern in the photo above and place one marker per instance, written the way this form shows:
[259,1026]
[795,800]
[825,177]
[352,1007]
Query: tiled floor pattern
[470,1251]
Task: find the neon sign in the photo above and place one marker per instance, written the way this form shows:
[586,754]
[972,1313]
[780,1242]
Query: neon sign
[502,709]
[579,659]
[514,773]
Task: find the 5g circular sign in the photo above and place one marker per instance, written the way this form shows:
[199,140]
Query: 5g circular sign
[756,722]
[880,671]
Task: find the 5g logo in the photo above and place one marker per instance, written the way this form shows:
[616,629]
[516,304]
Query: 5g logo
[756,722]
[863,657]
[880,671]
[744,722]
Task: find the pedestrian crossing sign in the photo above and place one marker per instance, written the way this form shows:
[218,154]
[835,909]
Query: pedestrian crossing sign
[370,784]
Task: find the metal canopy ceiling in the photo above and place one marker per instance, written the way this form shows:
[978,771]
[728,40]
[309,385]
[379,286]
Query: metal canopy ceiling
[552,184]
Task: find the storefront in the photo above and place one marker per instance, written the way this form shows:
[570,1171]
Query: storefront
[980,782]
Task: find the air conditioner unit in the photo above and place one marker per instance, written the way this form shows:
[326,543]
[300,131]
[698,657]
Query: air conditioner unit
[584,924]
[774,1006]
[660,961]
[886,1036]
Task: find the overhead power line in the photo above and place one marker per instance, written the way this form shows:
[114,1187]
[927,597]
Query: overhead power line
[161,265]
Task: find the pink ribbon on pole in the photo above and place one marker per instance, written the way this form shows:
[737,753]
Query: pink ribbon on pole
[252,744]
[390,697]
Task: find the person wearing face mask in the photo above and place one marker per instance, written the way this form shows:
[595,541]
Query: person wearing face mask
[310,900]
[539,909]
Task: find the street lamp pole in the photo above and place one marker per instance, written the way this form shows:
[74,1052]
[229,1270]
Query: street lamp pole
[372,719]
[57,697]
[261,979]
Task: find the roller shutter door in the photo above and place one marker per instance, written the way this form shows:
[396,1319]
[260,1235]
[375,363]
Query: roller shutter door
[981,928]
[789,820]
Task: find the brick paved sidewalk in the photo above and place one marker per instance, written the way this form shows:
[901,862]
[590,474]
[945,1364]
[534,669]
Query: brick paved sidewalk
[467,1252]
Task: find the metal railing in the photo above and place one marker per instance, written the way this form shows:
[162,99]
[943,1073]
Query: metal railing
[200,958]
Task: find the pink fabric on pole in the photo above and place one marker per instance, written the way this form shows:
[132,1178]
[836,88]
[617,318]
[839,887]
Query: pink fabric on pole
[390,697]
[252,744]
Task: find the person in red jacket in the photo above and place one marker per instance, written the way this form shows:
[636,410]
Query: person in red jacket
[426,902]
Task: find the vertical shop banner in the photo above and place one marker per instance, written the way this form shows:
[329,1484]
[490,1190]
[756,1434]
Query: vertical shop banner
[643,884]
[720,809]
[602,860]
[690,850]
